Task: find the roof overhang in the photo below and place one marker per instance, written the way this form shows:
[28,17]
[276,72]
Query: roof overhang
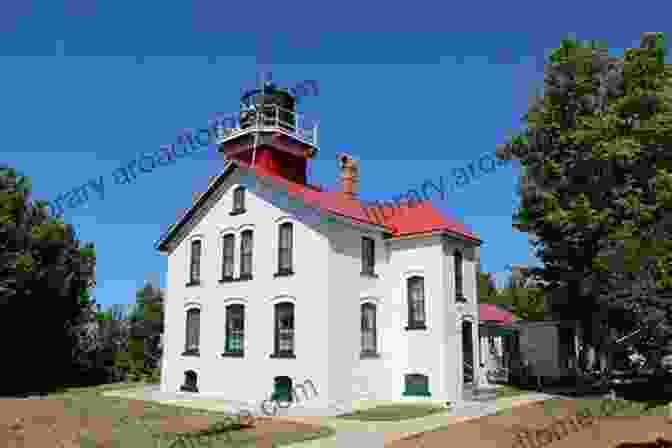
[442,233]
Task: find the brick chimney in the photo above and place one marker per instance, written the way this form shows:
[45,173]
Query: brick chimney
[349,174]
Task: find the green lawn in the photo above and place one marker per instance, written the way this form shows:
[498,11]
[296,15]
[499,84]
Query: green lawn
[624,408]
[137,425]
[509,391]
[394,413]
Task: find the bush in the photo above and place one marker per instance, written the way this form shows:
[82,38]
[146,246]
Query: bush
[154,376]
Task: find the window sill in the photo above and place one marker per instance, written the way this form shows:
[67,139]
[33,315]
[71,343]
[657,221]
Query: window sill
[191,353]
[416,394]
[237,212]
[283,355]
[369,355]
[188,389]
[416,327]
[283,274]
[242,278]
[233,355]
[369,274]
[193,283]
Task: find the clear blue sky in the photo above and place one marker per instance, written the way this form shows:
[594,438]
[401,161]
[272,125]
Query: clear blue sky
[413,92]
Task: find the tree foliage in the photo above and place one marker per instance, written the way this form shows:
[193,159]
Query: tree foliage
[142,356]
[524,302]
[487,290]
[596,183]
[46,275]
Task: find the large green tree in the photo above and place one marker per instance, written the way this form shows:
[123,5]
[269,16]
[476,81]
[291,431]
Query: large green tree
[596,184]
[46,276]
[144,350]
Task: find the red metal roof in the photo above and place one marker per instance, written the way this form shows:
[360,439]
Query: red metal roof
[400,221]
[492,313]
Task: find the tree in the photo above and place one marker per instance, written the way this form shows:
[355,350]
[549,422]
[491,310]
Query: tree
[523,301]
[46,276]
[487,291]
[144,350]
[596,183]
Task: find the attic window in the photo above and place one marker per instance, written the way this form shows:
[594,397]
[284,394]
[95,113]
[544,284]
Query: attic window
[238,201]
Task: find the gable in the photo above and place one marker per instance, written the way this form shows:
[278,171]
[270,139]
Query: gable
[263,202]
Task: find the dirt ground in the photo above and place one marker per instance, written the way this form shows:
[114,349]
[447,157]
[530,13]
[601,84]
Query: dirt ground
[501,430]
[47,423]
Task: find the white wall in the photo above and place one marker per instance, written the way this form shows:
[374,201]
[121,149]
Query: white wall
[249,378]
[328,290]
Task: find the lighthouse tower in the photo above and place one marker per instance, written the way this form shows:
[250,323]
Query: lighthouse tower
[272,135]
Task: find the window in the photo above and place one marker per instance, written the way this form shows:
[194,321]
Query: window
[190,382]
[235,329]
[195,267]
[285,249]
[368,256]
[416,303]
[193,331]
[368,329]
[459,296]
[227,266]
[284,330]
[238,201]
[246,254]
[416,385]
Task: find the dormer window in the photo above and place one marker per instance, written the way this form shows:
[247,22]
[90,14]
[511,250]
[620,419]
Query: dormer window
[238,201]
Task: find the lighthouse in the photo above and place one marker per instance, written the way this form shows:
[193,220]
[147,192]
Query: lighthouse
[272,135]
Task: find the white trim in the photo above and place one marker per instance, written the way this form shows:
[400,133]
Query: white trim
[368,298]
[282,298]
[413,271]
[234,301]
[244,227]
[193,304]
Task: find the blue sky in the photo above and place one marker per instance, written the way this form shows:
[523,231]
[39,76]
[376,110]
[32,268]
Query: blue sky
[87,87]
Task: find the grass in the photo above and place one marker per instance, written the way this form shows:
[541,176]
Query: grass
[136,423]
[393,413]
[621,408]
[509,391]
